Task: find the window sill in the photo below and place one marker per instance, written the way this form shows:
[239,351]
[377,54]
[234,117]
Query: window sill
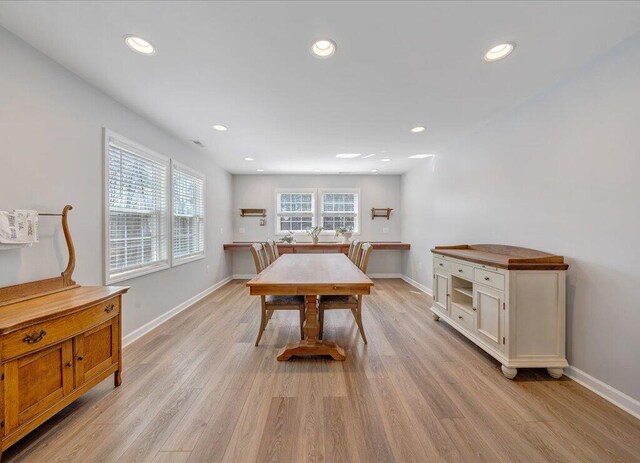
[118,277]
[186,260]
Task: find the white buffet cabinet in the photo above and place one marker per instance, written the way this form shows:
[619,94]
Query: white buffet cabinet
[509,301]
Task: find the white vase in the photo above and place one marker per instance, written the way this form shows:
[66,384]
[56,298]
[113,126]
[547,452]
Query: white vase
[346,236]
[314,239]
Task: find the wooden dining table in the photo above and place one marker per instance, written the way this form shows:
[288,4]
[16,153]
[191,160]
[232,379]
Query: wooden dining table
[311,275]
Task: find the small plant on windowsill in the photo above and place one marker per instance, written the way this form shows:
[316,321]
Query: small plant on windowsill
[288,238]
[314,233]
[345,233]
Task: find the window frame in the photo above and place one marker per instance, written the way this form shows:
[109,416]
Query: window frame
[279,213]
[175,261]
[356,221]
[147,153]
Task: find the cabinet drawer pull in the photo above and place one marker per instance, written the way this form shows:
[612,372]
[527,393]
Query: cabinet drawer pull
[109,308]
[460,270]
[69,365]
[440,264]
[80,357]
[486,278]
[460,317]
[474,309]
[34,337]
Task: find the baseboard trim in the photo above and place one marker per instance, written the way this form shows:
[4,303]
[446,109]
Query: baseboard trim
[242,276]
[384,275]
[144,329]
[616,397]
[415,284]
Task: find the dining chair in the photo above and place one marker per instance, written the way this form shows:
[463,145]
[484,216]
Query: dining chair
[270,304]
[353,303]
[354,249]
[272,250]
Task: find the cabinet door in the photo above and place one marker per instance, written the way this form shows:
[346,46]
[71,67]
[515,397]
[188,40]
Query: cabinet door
[489,313]
[35,382]
[441,291]
[95,351]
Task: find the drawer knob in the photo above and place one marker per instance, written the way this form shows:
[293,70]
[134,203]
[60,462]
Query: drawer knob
[486,278]
[474,309]
[460,317]
[460,270]
[69,364]
[109,308]
[440,265]
[80,357]
[34,337]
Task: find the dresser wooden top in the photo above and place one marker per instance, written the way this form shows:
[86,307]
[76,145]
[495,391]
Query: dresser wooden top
[502,256]
[42,308]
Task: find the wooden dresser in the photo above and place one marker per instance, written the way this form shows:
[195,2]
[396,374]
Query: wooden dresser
[57,341]
[509,301]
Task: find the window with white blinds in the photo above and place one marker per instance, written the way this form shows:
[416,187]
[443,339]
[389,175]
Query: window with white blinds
[295,210]
[339,208]
[188,214]
[137,209]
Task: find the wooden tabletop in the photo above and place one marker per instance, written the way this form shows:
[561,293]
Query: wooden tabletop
[377,245]
[503,256]
[28,312]
[311,274]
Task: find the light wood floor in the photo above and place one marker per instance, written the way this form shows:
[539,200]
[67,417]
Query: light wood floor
[196,389]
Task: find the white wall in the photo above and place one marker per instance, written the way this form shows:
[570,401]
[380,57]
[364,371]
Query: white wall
[559,174]
[259,191]
[51,154]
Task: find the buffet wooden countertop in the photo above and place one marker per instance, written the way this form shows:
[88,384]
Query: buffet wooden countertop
[501,256]
[301,247]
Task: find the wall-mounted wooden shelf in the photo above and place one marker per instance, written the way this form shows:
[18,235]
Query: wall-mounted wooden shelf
[381,212]
[253,212]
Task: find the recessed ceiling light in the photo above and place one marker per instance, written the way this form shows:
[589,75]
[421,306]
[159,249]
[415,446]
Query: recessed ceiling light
[316,170]
[140,45]
[368,156]
[499,51]
[385,160]
[374,170]
[418,129]
[348,155]
[323,48]
[421,156]
[248,159]
[220,128]
[259,170]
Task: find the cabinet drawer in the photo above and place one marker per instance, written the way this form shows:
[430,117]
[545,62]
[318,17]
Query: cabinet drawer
[493,279]
[47,333]
[440,264]
[463,318]
[461,270]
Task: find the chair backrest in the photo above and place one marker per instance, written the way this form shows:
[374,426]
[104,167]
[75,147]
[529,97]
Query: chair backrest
[272,250]
[365,251]
[354,249]
[259,257]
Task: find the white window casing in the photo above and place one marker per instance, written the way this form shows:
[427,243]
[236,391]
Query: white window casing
[188,226]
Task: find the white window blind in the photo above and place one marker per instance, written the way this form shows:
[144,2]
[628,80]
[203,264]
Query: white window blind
[340,209]
[137,210]
[295,211]
[188,214]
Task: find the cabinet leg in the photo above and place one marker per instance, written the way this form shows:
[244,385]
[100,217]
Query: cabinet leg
[117,378]
[509,373]
[435,316]
[555,373]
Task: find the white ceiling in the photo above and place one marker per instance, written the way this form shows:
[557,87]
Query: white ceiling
[247,65]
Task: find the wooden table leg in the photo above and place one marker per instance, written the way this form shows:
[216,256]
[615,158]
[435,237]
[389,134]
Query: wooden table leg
[311,345]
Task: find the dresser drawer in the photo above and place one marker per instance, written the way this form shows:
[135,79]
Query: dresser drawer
[493,279]
[48,333]
[440,264]
[463,318]
[461,270]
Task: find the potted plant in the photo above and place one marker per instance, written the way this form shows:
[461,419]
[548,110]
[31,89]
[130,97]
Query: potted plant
[313,233]
[345,233]
[288,238]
